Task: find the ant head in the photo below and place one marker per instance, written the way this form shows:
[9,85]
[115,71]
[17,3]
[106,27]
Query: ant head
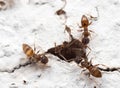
[84,21]
[44,59]
[85,64]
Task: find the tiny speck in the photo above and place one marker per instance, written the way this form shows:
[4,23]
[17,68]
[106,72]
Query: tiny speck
[39,76]
[24,81]
[12,83]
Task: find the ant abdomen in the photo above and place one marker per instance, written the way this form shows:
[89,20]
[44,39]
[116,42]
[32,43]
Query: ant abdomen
[85,40]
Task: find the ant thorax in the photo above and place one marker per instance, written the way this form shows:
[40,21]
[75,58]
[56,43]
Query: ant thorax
[85,29]
[32,59]
[86,33]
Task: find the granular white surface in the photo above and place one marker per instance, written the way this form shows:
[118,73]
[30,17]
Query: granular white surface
[27,21]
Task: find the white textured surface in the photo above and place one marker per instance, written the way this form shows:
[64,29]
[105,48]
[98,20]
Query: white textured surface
[19,25]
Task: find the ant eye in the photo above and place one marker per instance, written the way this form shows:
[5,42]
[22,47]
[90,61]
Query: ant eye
[44,59]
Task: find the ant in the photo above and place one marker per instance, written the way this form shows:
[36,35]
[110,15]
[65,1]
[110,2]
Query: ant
[93,70]
[85,23]
[34,57]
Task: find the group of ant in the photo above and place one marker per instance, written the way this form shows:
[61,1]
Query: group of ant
[73,50]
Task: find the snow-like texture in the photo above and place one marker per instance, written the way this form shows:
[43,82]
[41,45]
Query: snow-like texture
[36,21]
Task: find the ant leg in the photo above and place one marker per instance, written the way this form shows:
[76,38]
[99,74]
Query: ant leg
[63,57]
[80,66]
[91,60]
[89,49]
[38,51]
[88,53]
[80,30]
[92,18]
[82,71]
[70,60]
[35,49]
[90,37]
[91,31]
[71,37]
[90,23]
[80,27]
[99,64]
[86,73]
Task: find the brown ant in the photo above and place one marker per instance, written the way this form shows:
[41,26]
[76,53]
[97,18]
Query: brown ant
[34,57]
[93,70]
[86,33]
[85,22]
